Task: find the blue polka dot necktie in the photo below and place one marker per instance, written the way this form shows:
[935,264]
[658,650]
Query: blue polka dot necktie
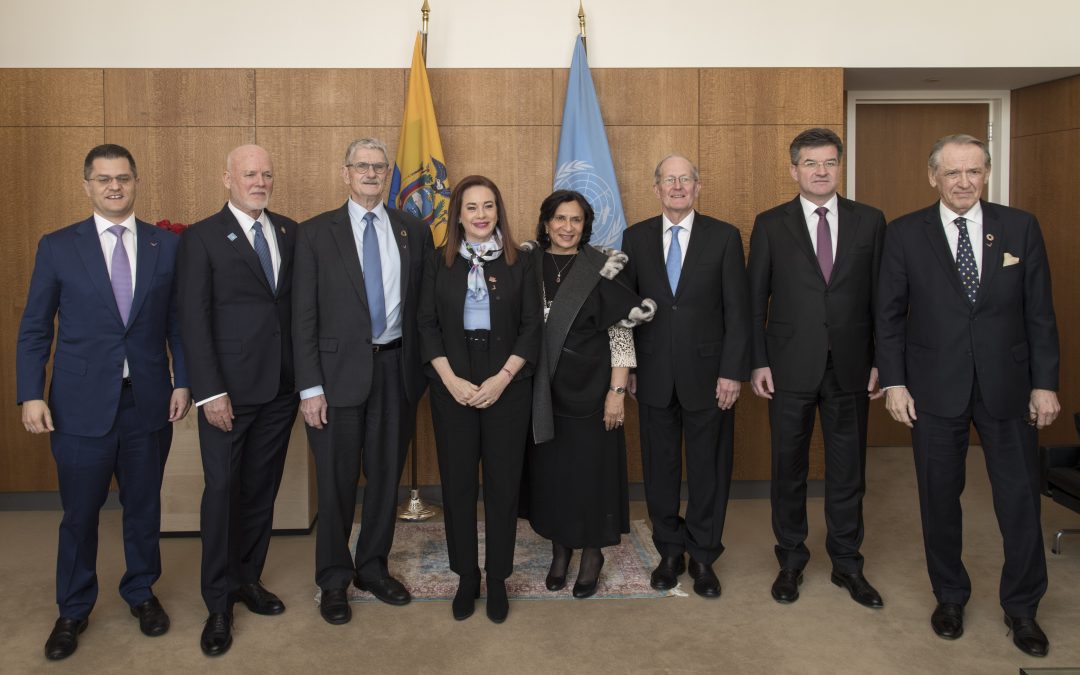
[965,261]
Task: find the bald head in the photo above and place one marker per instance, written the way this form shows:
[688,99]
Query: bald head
[249,177]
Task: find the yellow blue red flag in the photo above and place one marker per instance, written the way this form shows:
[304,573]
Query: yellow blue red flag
[419,185]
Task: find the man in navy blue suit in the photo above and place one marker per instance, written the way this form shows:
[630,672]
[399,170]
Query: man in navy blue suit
[112,400]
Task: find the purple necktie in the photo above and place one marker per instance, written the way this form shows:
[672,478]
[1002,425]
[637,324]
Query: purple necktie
[824,243]
[121,274]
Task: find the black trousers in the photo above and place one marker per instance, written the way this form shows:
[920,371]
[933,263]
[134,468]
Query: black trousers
[843,423]
[465,437]
[373,438]
[1009,446]
[242,472]
[85,467]
[710,442]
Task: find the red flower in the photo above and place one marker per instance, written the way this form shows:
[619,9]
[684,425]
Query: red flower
[175,228]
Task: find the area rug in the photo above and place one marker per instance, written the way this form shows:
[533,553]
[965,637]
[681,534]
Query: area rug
[419,561]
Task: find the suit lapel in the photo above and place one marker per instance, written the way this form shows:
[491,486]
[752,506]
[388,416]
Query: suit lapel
[796,225]
[401,235]
[341,231]
[236,237]
[654,250]
[935,234]
[148,247]
[993,251]
[847,223]
[89,247]
[281,235]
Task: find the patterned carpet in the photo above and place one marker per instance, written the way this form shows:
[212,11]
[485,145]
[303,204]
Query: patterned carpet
[419,561]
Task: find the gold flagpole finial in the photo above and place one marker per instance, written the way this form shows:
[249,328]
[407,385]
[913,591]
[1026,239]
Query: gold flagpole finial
[581,24]
[425,10]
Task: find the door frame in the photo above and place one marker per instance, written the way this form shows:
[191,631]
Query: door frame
[1000,119]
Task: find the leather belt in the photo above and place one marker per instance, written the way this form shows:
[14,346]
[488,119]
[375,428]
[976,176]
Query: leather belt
[393,344]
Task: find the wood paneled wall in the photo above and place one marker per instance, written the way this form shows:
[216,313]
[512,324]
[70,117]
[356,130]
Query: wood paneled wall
[735,123]
[1043,179]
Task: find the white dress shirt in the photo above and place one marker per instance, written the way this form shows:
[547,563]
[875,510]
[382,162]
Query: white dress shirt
[684,234]
[808,208]
[108,243]
[974,227]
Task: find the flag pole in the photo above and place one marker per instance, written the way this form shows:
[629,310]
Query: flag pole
[581,24]
[415,509]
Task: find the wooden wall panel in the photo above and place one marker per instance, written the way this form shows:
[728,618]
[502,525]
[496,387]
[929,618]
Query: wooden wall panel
[635,150]
[339,97]
[644,96]
[491,96]
[796,96]
[180,168]
[179,97]
[1045,108]
[1044,170]
[46,97]
[518,158]
[307,165]
[43,172]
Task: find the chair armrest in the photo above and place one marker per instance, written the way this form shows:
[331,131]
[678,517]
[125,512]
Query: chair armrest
[1056,456]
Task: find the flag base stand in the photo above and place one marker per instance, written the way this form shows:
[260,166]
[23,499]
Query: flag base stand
[415,509]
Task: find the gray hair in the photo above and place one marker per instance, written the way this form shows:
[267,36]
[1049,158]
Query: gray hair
[955,139]
[370,144]
[693,167]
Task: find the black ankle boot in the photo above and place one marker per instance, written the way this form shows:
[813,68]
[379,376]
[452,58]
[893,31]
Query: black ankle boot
[592,561]
[468,591]
[498,606]
[560,561]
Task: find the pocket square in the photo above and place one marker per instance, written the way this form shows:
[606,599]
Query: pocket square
[1010,259]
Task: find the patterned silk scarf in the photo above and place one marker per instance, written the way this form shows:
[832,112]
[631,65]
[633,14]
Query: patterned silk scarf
[477,255]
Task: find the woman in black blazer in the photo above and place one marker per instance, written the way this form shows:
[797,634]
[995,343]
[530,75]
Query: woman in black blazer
[479,324]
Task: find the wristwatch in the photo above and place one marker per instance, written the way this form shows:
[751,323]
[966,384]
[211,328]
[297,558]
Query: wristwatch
[617,390]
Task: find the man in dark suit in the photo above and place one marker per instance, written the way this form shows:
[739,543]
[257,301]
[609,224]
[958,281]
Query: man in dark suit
[966,333]
[112,400]
[235,286]
[358,271]
[692,359]
[813,349]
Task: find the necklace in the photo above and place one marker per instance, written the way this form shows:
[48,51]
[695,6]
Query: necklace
[560,270]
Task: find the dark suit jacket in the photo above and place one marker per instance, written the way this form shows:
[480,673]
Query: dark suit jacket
[516,315]
[92,342]
[797,317]
[702,331]
[331,319]
[934,342]
[236,329]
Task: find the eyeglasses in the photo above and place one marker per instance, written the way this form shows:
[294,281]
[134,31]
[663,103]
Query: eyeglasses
[105,181]
[682,180]
[812,164]
[362,167]
[562,220]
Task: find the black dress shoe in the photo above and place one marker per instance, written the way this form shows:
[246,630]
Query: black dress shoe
[785,589]
[388,589]
[860,589]
[498,605]
[948,620]
[560,560]
[587,579]
[1027,636]
[468,591]
[705,582]
[216,634]
[666,575]
[153,621]
[259,600]
[334,606]
[64,638]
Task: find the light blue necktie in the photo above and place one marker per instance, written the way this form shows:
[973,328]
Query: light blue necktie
[262,249]
[121,274]
[373,277]
[674,259]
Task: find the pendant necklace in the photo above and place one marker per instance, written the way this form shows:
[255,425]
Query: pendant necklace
[560,270]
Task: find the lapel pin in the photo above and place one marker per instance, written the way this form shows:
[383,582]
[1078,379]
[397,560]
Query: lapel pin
[282,230]
[403,233]
[153,242]
[231,236]
[989,240]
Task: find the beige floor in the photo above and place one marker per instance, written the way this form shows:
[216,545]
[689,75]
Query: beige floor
[743,632]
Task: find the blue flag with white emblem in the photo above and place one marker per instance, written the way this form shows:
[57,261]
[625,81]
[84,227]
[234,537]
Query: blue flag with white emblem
[584,162]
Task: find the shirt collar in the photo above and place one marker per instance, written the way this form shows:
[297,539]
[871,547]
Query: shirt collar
[103,224]
[809,207]
[246,221]
[357,212]
[974,214]
[686,224]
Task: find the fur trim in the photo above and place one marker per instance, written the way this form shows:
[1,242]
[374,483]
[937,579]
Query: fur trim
[640,315]
[529,245]
[616,261]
